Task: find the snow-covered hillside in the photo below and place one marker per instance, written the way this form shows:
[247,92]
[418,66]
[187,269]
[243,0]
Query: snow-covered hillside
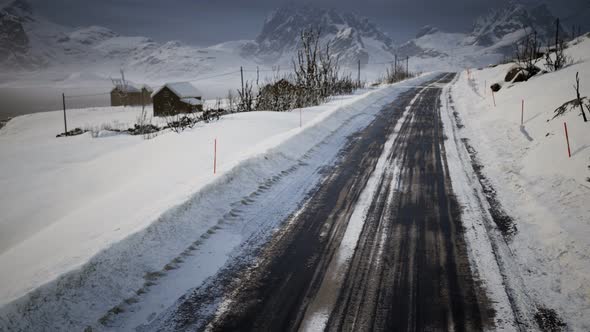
[492,39]
[539,185]
[35,43]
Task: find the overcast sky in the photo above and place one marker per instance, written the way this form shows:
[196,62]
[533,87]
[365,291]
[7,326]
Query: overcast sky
[205,22]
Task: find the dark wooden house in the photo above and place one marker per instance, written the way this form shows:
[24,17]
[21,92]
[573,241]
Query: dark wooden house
[129,95]
[175,98]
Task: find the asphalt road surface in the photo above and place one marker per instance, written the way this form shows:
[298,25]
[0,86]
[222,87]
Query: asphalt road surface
[390,195]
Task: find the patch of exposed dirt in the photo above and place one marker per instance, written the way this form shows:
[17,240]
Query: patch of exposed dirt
[549,321]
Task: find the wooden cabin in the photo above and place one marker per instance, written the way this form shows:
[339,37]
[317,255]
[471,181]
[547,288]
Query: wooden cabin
[176,98]
[129,95]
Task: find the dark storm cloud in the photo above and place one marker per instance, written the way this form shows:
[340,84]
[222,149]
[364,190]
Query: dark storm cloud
[210,21]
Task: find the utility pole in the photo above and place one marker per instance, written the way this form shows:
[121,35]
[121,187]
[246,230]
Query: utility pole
[359,73]
[63,97]
[556,33]
[142,102]
[573,31]
[407,65]
[242,75]
[395,66]
[257,74]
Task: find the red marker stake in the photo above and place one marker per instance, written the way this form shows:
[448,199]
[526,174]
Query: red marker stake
[567,139]
[522,114]
[215,157]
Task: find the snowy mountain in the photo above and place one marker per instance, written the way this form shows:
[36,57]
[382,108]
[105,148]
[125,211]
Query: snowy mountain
[492,28]
[29,42]
[492,38]
[351,37]
[15,43]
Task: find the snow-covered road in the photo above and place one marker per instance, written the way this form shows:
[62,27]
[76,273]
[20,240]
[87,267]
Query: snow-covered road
[378,244]
[373,217]
[135,277]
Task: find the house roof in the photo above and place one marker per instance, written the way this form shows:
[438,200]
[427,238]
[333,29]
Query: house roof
[192,101]
[181,89]
[128,88]
[147,87]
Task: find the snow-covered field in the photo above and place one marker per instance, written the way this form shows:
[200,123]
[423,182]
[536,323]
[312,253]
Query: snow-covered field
[84,219]
[539,185]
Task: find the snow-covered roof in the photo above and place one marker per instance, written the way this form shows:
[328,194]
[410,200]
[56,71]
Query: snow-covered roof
[181,89]
[191,101]
[127,88]
[147,87]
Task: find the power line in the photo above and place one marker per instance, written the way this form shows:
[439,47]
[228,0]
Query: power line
[213,76]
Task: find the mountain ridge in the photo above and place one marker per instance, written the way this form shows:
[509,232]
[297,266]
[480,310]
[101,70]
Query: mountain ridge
[29,42]
[491,39]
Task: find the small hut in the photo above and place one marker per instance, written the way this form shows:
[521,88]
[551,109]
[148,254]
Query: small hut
[129,95]
[176,98]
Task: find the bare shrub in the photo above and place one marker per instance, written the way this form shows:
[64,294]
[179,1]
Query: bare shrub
[143,124]
[317,72]
[246,98]
[578,102]
[558,59]
[395,73]
[213,113]
[178,122]
[277,96]
[528,54]
[555,58]
[316,77]
[232,101]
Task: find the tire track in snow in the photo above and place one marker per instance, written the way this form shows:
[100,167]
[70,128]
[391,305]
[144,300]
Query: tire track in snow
[384,274]
[319,311]
[274,294]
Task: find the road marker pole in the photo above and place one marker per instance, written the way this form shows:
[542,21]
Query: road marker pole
[567,140]
[215,157]
[63,96]
[494,97]
[522,114]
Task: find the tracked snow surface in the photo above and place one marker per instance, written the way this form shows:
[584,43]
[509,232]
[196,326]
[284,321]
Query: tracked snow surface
[96,222]
[545,192]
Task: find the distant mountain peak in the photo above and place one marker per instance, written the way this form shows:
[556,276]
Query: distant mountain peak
[491,28]
[353,37]
[492,38]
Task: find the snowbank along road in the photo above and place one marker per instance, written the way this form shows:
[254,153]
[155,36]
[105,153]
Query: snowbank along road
[378,245]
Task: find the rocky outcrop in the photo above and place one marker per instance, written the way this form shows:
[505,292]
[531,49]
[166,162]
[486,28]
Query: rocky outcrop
[14,42]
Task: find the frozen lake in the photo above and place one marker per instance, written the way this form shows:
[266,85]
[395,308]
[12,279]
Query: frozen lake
[16,101]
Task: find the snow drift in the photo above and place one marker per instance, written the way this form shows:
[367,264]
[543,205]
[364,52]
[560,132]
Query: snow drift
[544,190]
